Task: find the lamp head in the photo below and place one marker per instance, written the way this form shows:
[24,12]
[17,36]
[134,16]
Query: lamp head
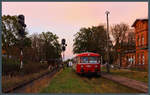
[107,12]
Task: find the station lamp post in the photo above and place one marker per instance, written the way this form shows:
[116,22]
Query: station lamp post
[107,13]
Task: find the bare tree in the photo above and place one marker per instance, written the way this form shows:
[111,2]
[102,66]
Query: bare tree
[131,39]
[118,32]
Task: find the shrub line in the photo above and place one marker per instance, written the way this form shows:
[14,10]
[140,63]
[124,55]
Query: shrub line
[27,82]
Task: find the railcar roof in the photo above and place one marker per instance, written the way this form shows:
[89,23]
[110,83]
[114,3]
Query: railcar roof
[88,54]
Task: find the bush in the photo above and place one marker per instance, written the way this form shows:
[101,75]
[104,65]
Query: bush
[9,66]
[34,67]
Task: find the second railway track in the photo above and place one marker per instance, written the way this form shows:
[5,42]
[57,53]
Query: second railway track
[22,87]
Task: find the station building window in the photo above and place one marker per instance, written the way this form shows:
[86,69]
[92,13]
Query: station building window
[142,38]
[138,40]
[133,59]
[143,59]
[139,59]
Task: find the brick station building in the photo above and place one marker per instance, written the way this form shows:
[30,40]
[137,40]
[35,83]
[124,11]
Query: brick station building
[130,54]
[141,36]
[139,55]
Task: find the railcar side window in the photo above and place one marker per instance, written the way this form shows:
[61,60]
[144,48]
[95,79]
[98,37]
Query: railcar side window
[93,60]
[84,59]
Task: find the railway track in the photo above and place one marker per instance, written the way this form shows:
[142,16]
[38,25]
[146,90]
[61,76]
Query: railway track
[95,83]
[92,81]
[21,87]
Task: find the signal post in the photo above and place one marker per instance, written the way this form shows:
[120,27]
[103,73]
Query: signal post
[21,32]
[63,43]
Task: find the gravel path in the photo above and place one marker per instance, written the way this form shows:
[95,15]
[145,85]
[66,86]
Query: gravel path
[143,87]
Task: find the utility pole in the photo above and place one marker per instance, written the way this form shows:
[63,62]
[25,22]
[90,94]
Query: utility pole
[107,65]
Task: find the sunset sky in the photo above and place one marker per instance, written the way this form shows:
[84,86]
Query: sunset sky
[66,18]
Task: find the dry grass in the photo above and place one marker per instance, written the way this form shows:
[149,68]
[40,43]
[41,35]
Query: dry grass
[9,82]
[39,84]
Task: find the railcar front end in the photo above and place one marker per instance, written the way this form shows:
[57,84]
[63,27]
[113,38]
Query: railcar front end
[88,63]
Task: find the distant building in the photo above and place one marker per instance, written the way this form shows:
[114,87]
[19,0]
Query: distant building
[141,35]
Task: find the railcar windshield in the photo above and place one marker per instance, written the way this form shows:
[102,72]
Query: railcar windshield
[91,59]
[84,59]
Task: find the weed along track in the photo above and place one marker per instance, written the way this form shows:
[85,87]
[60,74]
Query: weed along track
[68,81]
[91,82]
[33,85]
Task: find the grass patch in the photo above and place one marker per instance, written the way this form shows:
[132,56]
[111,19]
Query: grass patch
[106,86]
[136,75]
[139,69]
[68,81]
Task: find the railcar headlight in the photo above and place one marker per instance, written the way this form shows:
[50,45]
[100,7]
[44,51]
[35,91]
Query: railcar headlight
[81,66]
[96,66]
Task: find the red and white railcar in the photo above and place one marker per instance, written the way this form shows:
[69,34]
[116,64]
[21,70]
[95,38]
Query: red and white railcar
[87,62]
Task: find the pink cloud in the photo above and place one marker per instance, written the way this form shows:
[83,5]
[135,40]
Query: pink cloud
[66,18]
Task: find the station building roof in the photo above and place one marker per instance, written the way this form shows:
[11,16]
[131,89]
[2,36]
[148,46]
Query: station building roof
[140,19]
